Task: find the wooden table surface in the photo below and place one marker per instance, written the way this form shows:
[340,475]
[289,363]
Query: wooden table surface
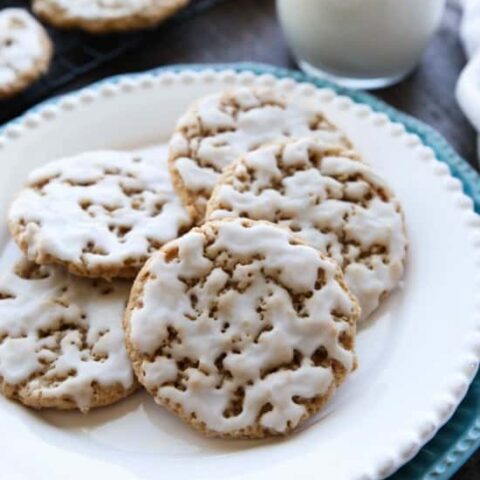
[247,30]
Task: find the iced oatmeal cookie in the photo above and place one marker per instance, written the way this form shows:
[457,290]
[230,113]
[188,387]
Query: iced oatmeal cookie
[25,51]
[218,128]
[241,329]
[61,338]
[103,16]
[99,214]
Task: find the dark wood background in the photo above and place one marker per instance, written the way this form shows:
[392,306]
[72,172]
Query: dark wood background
[247,30]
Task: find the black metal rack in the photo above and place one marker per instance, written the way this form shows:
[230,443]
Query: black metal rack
[77,53]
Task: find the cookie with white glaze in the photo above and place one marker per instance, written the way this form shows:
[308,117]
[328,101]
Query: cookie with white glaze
[25,51]
[218,128]
[240,329]
[61,338]
[329,199]
[103,16]
[99,214]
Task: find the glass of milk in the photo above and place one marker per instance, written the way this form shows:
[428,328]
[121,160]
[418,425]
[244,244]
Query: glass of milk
[359,43]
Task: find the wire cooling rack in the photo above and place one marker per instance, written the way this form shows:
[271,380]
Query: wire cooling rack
[77,53]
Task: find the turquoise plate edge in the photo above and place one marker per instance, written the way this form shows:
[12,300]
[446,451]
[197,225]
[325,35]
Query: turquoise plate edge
[459,438]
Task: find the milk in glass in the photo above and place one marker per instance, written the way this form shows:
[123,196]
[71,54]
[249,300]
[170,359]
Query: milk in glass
[364,43]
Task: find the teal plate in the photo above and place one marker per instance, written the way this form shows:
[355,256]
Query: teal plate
[459,438]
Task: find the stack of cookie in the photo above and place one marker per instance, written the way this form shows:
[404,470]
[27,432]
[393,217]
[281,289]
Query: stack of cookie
[243,325]
[26,49]
[80,222]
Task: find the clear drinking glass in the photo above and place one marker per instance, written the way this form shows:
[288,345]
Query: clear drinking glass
[359,43]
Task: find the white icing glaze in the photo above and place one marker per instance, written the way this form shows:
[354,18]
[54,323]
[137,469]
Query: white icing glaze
[219,128]
[105,9]
[324,196]
[60,333]
[231,290]
[122,207]
[21,45]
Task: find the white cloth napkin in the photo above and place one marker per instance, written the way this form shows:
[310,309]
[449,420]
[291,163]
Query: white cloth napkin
[468,86]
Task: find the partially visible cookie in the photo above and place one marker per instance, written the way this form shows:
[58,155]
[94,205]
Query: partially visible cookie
[328,198]
[61,338]
[241,329]
[25,51]
[103,16]
[99,214]
[218,128]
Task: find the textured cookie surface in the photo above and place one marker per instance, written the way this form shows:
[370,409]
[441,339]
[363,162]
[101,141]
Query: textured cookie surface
[61,338]
[101,16]
[330,200]
[241,329]
[219,128]
[100,214]
[25,51]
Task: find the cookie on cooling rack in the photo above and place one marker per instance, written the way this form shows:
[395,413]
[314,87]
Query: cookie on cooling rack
[218,128]
[329,199]
[25,51]
[241,329]
[99,214]
[61,338]
[103,16]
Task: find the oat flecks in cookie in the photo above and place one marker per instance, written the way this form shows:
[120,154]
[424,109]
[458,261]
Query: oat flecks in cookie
[102,16]
[329,199]
[25,51]
[218,128]
[241,329]
[61,338]
[100,214]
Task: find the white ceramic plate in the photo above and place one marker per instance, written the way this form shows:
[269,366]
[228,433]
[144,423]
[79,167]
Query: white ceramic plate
[417,356]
